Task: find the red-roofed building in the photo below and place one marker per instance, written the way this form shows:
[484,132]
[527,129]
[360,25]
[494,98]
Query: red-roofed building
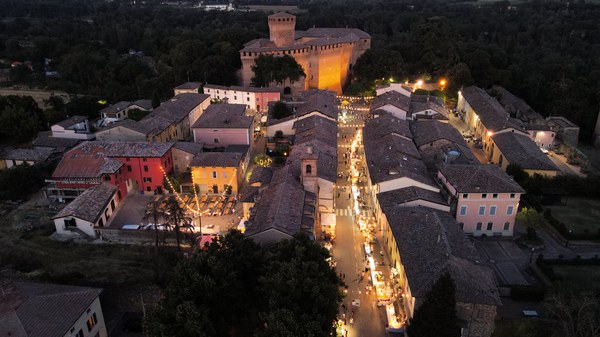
[136,166]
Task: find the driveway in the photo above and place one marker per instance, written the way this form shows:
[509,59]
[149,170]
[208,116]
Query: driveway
[508,260]
[130,210]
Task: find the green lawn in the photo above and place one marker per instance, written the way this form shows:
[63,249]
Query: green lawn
[582,277]
[579,214]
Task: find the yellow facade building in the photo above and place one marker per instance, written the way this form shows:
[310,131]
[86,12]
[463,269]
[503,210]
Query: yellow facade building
[218,172]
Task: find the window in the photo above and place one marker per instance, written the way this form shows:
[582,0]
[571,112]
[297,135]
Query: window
[308,169]
[145,168]
[128,168]
[79,333]
[506,226]
[534,134]
[144,159]
[492,210]
[148,188]
[214,174]
[224,174]
[465,195]
[481,210]
[463,210]
[512,195]
[216,140]
[484,196]
[490,225]
[127,159]
[106,214]
[112,205]
[147,179]
[70,223]
[247,99]
[257,99]
[107,178]
[235,98]
[478,228]
[91,322]
[509,210]
[495,196]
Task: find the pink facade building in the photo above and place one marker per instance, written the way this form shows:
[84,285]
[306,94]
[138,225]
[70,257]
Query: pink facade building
[253,97]
[222,125]
[483,197]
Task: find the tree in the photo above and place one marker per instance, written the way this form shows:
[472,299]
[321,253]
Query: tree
[20,181]
[378,64]
[530,218]
[436,316]
[516,171]
[577,312]
[175,213]
[19,124]
[137,114]
[458,76]
[238,288]
[281,110]
[269,68]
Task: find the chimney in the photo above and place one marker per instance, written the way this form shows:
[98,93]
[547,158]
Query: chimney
[309,150]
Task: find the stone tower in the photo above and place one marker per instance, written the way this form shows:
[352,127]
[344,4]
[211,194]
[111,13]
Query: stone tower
[282,29]
[308,175]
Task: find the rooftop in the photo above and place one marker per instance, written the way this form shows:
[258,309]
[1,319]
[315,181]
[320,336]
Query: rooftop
[322,101]
[431,243]
[217,159]
[394,98]
[45,139]
[89,205]
[421,103]
[36,156]
[403,195]
[188,86]
[562,122]
[491,113]
[189,147]
[387,124]
[42,310]
[426,132]
[521,150]
[239,88]
[119,106]
[224,116]
[178,107]
[467,178]
[512,104]
[72,121]
[261,175]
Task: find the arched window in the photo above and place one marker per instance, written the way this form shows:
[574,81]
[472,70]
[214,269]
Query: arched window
[308,169]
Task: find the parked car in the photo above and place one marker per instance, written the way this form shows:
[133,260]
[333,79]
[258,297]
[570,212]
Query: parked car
[131,226]
[160,227]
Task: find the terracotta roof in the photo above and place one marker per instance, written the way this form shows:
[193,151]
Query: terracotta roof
[37,156]
[189,147]
[391,98]
[189,86]
[491,113]
[479,179]
[521,150]
[283,205]
[217,159]
[72,121]
[224,116]
[43,310]
[400,196]
[239,88]
[261,175]
[430,244]
[178,107]
[281,15]
[386,124]
[45,139]
[425,132]
[90,204]
[126,149]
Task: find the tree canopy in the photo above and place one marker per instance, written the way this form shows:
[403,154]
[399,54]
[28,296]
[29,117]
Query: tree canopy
[436,316]
[238,288]
[269,68]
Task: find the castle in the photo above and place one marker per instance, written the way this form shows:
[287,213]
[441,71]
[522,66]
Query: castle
[326,54]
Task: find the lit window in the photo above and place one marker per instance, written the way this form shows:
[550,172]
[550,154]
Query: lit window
[91,322]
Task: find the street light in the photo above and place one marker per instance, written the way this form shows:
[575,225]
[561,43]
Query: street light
[568,237]
[531,256]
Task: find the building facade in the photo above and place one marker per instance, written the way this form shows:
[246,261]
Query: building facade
[254,98]
[325,54]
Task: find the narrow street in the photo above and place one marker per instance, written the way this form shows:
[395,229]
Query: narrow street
[361,312]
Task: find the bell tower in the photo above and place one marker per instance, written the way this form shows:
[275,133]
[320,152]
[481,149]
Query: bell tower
[282,29]
[308,175]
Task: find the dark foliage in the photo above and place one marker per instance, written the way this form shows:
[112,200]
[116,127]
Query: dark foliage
[280,110]
[20,181]
[269,68]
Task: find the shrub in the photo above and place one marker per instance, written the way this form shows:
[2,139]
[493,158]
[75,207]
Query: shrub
[527,292]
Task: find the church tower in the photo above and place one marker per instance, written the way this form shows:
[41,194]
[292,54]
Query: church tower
[282,29]
[308,175]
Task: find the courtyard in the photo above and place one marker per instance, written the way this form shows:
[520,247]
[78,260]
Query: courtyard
[579,214]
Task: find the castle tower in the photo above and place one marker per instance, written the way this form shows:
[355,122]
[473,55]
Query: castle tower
[308,175]
[282,29]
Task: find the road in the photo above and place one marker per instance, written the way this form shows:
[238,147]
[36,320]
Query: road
[348,251]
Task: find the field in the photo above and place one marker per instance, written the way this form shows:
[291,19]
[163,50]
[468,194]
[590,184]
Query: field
[579,215]
[580,277]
